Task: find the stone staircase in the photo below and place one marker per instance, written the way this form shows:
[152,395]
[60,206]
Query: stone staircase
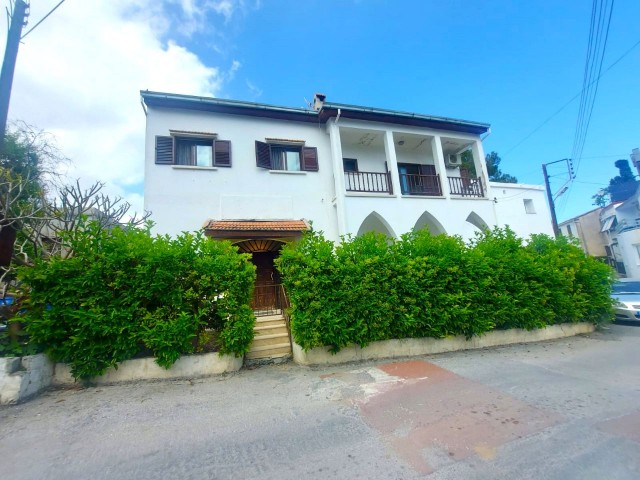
[271,339]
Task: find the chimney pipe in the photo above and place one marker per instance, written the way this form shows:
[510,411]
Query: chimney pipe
[318,101]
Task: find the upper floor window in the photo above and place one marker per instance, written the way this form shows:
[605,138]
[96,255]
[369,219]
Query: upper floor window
[193,151]
[291,157]
[285,158]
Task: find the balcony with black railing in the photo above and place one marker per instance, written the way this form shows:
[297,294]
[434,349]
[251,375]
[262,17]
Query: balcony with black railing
[368,182]
[466,187]
[414,184]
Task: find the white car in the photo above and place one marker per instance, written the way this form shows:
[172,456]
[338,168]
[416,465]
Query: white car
[626,293]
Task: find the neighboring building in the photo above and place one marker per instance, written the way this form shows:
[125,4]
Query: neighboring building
[624,236]
[611,233]
[259,174]
[586,229]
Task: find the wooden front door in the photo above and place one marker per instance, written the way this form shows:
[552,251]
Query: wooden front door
[267,278]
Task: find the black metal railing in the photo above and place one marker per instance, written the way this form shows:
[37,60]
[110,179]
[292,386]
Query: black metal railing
[268,300]
[369,182]
[413,184]
[466,187]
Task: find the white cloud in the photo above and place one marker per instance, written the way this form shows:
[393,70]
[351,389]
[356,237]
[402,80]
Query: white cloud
[255,91]
[79,74]
[224,7]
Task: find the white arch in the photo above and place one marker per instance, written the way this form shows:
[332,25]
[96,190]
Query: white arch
[429,221]
[375,223]
[477,221]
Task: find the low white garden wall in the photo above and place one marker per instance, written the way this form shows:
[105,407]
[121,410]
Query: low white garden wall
[190,366]
[425,346]
[24,377]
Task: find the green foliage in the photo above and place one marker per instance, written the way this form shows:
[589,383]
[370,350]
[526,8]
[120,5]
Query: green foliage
[493,167]
[14,340]
[125,291]
[370,288]
[620,187]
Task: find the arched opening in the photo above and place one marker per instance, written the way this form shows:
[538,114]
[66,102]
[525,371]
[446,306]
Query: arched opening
[429,221]
[259,245]
[375,223]
[475,220]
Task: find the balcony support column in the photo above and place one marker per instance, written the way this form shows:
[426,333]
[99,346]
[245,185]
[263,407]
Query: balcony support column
[392,161]
[438,155]
[481,167]
[338,176]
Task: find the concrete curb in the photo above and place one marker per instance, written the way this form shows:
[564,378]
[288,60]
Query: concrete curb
[426,346]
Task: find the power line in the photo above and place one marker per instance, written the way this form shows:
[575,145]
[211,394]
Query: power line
[596,50]
[582,127]
[41,20]
[570,101]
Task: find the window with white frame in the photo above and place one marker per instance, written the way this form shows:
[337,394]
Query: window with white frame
[529,207]
[192,151]
[293,157]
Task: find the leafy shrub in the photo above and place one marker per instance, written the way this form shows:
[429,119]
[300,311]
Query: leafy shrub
[369,288]
[125,291]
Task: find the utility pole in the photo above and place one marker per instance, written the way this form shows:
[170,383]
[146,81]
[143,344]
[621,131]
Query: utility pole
[552,205]
[18,20]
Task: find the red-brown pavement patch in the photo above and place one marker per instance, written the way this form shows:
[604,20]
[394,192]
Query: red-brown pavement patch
[435,417]
[626,426]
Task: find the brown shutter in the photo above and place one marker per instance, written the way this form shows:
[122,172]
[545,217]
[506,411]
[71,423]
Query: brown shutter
[263,155]
[309,159]
[164,150]
[222,153]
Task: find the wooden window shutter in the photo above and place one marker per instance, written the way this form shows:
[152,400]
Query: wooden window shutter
[164,150]
[309,159]
[263,155]
[222,153]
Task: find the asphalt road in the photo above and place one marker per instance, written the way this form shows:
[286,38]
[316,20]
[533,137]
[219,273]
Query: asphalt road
[566,409]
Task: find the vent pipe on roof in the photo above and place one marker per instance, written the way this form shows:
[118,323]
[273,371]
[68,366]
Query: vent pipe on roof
[318,101]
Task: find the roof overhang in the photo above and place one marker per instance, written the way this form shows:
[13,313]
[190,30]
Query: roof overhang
[231,107]
[402,118]
[239,229]
[328,110]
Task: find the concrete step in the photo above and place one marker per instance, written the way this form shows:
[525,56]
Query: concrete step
[266,318]
[271,339]
[270,329]
[272,320]
[270,351]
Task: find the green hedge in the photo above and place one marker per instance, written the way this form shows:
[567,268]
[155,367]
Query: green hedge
[125,292]
[370,288]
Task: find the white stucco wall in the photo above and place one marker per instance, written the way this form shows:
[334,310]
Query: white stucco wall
[183,198]
[510,208]
[628,247]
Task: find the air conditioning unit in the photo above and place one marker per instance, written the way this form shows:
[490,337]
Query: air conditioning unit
[453,160]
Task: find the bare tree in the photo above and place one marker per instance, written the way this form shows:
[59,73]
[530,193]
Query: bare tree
[39,213]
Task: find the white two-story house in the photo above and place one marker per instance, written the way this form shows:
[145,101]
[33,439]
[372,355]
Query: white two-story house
[260,174]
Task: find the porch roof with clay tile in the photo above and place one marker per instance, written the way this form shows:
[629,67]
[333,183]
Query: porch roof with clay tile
[254,228]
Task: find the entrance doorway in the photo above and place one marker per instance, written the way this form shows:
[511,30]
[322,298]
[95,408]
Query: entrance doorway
[267,293]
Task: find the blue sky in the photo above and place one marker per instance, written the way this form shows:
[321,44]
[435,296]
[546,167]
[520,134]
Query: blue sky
[509,63]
